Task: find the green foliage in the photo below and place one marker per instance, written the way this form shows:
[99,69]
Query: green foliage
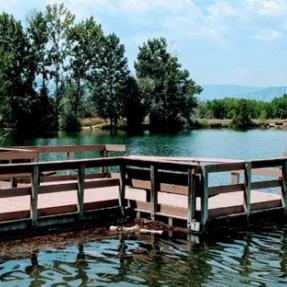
[69,119]
[167,89]
[111,79]
[241,115]
[134,108]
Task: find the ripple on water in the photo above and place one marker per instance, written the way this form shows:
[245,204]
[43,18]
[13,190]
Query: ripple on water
[249,259]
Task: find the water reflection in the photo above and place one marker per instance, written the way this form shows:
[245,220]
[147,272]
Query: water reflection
[249,259]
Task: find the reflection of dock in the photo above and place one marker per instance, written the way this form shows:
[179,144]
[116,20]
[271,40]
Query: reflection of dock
[38,194]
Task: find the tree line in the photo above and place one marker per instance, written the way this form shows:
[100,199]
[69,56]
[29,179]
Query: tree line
[241,111]
[55,70]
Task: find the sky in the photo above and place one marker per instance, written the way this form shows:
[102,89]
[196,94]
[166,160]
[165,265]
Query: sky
[242,42]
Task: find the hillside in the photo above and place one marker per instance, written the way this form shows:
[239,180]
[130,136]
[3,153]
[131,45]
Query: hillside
[211,92]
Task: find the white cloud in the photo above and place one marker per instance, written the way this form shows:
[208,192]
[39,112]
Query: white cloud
[267,35]
[268,7]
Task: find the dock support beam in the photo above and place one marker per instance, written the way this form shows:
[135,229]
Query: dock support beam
[192,192]
[81,188]
[284,187]
[122,188]
[204,198]
[247,190]
[153,191]
[34,195]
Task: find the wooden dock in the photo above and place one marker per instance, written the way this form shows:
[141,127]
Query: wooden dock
[36,194]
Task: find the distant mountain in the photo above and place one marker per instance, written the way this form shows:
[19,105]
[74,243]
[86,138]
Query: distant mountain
[211,92]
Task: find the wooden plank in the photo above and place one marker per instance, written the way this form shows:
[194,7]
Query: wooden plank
[235,178]
[34,195]
[266,184]
[272,162]
[18,155]
[214,190]
[15,192]
[116,148]
[162,209]
[102,183]
[261,171]
[70,177]
[160,164]
[222,167]
[80,191]
[59,165]
[64,148]
[247,189]
[164,187]
[101,204]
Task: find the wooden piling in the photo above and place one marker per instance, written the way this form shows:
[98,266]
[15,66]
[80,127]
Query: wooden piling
[192,188]
[122,187]
[284,187]
[247,190]
[204,198]
[80,191]
[34,195]
[153,191]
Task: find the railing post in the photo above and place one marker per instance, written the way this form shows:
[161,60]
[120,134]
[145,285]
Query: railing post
[284,187]
[69,172]
[235,178]
[247,189]
[204,198]
[192,188]
[81,189]
[153,191]
[34,195]
[122,188]
[102,154]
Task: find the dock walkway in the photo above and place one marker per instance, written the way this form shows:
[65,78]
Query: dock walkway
[39,193]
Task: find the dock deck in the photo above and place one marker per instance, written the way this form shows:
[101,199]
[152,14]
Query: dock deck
[175,188]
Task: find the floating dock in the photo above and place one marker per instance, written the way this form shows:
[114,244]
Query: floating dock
[37,194]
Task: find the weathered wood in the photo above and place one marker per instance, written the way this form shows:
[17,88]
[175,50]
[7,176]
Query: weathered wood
[161,164]
[266,184]
[272,162]
[81,190]
[261,171]
[13,155]
[191,201]
[204,198]
[122,187]
[153,191]
[235,177]
[116,148]
[222,167]
[34,194]
[247,189]
[214,190]
[284,187]
[15,192]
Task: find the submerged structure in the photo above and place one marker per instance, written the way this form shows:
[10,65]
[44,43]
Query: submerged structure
[194,192]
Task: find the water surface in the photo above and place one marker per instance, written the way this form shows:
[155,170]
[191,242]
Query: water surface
[257,258]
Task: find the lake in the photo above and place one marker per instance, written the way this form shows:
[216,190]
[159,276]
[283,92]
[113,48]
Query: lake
[257,258]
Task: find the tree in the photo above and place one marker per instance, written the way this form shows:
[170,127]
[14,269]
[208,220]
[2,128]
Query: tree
[17,75]
[167,89]
[110,79]
[133,106]
[84,43]
[58,21]
[241,118]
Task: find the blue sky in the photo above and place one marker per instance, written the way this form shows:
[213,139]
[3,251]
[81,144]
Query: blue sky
[219,41]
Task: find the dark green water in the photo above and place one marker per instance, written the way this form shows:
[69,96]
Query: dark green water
[256,258]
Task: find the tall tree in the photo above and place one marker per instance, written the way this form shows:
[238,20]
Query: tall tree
[110,79]
[59,19]
[168,90]
[17,75]
[84,44]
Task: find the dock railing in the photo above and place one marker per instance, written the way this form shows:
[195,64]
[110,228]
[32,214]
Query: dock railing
[154,176]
